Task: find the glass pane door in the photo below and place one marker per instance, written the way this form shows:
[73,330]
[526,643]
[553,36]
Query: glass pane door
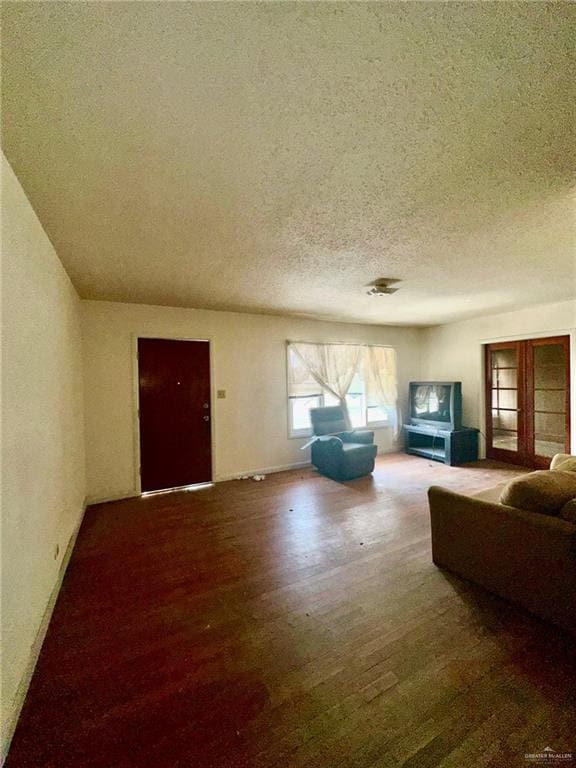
[504,378]
[528,400]
[550,390]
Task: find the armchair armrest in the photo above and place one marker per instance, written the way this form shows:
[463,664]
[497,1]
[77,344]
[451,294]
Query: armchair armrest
[330,441]
[362,436]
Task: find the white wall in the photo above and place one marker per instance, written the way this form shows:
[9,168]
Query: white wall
[248,362]
[454,351]
[43,471]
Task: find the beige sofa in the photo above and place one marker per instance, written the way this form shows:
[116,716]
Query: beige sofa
[523,556]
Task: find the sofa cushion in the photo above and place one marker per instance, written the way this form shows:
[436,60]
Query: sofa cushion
[568,511]
[545,491]
[491,495]
[566,465]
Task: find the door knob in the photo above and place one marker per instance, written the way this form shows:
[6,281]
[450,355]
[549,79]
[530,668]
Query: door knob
[206,418]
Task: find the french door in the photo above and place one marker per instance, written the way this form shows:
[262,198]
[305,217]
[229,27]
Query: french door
[174,410]
[528,400]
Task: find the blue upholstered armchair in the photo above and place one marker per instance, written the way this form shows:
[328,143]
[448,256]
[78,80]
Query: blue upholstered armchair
[338,452]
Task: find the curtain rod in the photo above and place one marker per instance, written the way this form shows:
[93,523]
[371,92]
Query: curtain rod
[341,343]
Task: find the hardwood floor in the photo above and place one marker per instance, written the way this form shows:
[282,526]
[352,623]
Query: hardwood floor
[293,622]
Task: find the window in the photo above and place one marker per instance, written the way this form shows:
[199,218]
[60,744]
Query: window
[304,393]
[300,413]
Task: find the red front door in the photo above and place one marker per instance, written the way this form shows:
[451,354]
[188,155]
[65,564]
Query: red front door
[175,431]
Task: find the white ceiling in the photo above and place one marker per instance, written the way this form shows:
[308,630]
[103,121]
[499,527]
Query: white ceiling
[278,157]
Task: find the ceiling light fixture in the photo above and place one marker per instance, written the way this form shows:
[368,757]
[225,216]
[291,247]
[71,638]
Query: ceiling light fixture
[383,286]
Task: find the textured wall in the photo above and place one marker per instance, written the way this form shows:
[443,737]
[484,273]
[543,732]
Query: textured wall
[43,474]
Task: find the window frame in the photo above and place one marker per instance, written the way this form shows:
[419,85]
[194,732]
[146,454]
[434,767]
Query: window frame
[294,434]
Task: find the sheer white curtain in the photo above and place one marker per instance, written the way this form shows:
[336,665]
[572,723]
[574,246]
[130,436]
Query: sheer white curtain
[333,366]
[381,380]
[317,368]
[300,382]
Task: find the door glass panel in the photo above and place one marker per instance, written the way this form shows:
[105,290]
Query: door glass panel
[505,441]
[505,430]
[549,399]
[548,434]
[504,364]
[504,398]
[504,358]
[506,378]
[549,366]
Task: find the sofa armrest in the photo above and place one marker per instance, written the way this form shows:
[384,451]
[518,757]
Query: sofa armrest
[498,523]
[527,557]
[363,436]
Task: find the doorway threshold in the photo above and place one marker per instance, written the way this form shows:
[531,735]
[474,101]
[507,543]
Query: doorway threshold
[193,487]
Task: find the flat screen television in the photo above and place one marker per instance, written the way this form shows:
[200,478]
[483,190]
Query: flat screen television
[436,404]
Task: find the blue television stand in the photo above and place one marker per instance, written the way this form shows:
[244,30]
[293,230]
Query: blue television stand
[451,446]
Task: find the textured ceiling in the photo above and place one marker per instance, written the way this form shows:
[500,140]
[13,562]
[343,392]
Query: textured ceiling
[278,157]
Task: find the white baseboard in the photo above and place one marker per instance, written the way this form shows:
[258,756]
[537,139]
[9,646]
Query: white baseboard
[132,494]
[262,471]
[285,467]
[36,647]
[217,479]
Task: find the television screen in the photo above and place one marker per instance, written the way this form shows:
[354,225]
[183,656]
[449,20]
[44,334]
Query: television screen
[431,402]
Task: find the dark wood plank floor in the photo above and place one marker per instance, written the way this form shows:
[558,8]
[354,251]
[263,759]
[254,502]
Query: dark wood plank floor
[293,622]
